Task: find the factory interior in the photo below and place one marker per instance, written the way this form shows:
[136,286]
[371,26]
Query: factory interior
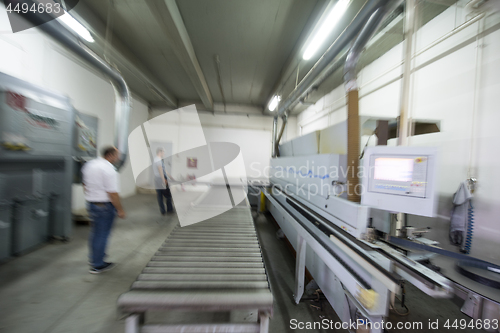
[326,166]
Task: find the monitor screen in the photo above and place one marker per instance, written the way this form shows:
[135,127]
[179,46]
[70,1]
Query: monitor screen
[400,179]
[394,169]
[398,175]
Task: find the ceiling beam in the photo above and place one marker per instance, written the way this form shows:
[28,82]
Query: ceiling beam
[120,54]
[170,20]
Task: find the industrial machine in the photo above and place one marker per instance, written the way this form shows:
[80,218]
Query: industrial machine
[347,246]
[85,142]
[41,134]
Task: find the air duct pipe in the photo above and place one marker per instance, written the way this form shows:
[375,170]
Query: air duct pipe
[316,75]
[284,119]
[307,83]
[351,87]
[404,116]
[122,103]
[274,142]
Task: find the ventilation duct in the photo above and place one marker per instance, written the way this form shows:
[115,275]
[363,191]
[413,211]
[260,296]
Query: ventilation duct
[351,87]
[346,37]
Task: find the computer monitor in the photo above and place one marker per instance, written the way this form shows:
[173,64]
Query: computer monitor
[400,179]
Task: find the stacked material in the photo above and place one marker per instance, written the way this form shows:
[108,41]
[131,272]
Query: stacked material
[215,265]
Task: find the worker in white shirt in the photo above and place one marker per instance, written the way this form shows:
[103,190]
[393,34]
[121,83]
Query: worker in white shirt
[161,182]
[100,184]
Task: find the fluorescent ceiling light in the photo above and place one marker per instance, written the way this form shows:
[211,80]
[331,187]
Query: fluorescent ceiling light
[329,22]
[76,26]
[274,102]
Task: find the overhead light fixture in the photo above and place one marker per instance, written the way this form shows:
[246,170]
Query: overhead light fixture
[326,27]
[274,102]
[76,26]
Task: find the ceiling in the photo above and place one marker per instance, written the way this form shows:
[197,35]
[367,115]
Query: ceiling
[223,55]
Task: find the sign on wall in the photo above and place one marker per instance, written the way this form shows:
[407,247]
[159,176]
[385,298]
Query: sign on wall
[192,163]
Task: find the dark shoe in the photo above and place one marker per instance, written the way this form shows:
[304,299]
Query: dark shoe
[92,264]
[170,211]
[98,270]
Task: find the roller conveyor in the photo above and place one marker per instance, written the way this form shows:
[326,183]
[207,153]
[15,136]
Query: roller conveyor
[245,249]
[201,270]
[208,254]
[214,265]
[206,264]
[207,259]
[145,285]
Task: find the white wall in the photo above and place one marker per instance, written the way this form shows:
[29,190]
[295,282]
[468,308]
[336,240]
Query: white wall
[34,57]
[255,147]
[443,88]
[251,133]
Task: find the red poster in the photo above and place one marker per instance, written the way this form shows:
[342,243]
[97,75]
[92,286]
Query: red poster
[192,163]
[16,101]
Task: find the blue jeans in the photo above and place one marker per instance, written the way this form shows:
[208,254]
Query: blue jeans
[168,196]
[102,216]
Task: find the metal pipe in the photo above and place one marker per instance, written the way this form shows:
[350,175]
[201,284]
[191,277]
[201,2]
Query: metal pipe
[333,67]
[352,58]
[393,68]
[351,86]
[403,128]
[284,119]
[340,43]
[441,39]
[316,75]
[471,171]
[472,5]
[122,103]
[275,129]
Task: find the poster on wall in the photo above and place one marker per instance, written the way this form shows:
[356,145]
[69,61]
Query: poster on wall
[192,163]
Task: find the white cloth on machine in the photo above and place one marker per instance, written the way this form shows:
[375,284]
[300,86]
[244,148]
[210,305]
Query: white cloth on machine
[458,223]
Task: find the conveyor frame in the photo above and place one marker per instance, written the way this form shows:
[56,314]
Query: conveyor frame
[191,272]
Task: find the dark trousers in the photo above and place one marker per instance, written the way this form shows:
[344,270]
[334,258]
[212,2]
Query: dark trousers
[168,196]
[102,221]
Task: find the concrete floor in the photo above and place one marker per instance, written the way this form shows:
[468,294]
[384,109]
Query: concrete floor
[50,290]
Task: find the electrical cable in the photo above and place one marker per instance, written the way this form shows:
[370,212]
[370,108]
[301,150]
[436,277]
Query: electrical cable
[463,267]
[402,301]
[367,142]
[393,308]
[470,228]
[463,261]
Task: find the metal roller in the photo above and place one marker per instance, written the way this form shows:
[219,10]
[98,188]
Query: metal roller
[209,235]
[141,301]
[172,264]
[208,254]
[202,277]
[240,328]
[218,228]
[210,242]
[167,257]
[214,231]
[210,249]
[199,285]
[202,270]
